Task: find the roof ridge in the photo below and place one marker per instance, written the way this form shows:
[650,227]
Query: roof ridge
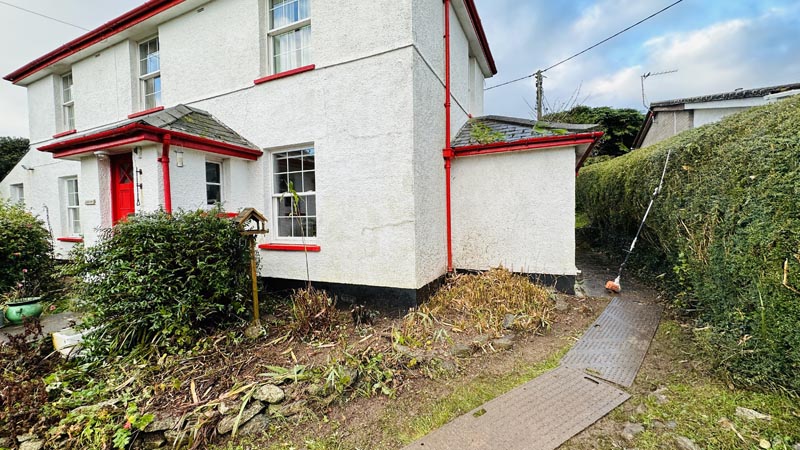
[729,95]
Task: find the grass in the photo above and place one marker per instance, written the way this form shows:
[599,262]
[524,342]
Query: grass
[464,398]
[703,406]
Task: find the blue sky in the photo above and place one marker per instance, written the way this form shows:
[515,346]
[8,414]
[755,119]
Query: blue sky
[716,45]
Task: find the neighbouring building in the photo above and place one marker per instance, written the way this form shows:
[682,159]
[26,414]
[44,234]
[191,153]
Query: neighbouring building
[185,104]
[670,117]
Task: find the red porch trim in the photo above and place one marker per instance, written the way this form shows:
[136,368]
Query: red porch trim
[70,239]
[290,247]
[64,133]
[137,132]
[105,31]
[145,112]
[557,141]
[535,146]
[285,74]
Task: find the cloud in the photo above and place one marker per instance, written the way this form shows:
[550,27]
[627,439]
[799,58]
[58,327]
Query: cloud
[751,46]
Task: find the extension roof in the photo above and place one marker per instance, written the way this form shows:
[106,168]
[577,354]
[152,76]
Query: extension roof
[130,23]
[187,127]
[523,134]
[733,95]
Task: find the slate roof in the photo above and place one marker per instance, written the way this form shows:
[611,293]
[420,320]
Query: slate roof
[515,129]
[733,95]
[183,119]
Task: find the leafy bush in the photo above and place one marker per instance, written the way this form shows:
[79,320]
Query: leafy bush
[162,280]
[726,229]
[25,249]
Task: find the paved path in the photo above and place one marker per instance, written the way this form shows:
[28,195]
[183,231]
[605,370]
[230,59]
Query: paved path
[547,411]
[50,324]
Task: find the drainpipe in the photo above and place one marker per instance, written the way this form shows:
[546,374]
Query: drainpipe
[447,153]
[164,160]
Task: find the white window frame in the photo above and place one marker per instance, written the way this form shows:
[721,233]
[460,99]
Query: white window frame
[144,78]
[277,197]
[18,193]
[221,183]
[72,207]
[273,32]
[67,102]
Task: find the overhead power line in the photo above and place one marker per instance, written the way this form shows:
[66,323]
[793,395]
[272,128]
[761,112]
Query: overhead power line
[588,48]
[43,15]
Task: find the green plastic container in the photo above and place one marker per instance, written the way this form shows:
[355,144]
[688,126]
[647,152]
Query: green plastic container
[26,308]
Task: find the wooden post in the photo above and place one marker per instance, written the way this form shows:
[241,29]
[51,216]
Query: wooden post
[254,276]
[539,94]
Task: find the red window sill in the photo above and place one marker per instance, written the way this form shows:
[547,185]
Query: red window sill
[65,133]
[70,239]
[145,112]
[288,73]
[290,247]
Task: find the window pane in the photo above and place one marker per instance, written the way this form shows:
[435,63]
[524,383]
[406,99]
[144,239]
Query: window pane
[66,82]
[285,12]
[213,194]
[296,181]
[309,183]
[281,165]
[298,227]
[309,205]
[311,227]
[69,117]
[213,172]
[281,184]
[285,208]
[285,227]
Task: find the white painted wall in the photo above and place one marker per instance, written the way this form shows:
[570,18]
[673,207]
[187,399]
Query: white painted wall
[516,210]
[372,109]
[706,116]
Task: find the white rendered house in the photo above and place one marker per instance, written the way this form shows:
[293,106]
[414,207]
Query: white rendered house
[363,108]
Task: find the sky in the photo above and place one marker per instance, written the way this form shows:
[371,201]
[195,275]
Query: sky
[715,46]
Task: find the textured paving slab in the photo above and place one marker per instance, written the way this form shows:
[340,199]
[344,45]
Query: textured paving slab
[539,415]
[615,345]
[50,324]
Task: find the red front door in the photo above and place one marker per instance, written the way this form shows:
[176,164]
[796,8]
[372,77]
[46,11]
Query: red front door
[122,185]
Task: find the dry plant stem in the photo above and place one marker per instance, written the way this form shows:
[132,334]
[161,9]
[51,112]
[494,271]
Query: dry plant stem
[786,277]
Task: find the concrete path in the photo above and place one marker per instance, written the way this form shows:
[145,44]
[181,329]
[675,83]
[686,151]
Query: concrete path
[50,324]
[547,411]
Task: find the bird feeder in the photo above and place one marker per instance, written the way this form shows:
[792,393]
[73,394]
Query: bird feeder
[251,223]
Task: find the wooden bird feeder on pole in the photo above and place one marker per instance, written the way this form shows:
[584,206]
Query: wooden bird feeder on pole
[251,223]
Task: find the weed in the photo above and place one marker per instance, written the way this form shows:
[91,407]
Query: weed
[313,311]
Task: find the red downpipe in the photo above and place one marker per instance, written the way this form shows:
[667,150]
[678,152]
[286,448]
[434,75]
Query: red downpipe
[164,160]
[448,149]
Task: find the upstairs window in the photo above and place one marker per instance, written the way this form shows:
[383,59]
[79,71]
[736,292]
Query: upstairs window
[295,171]
[67,103]
[150,73]
[289,34]
[18,194]
[213,182]
[73,209]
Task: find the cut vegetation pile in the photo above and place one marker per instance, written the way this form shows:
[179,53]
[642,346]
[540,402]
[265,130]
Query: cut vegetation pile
[489,303]
[725,230]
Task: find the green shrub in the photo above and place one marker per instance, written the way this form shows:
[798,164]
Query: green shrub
[724,227]
[162,280]
[26,253]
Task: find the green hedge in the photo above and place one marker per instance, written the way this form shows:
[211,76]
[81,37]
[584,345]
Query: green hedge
[162,280]
[26,252]
[726,223]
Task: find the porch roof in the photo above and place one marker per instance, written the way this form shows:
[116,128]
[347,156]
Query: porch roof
[517,134]
[186,126]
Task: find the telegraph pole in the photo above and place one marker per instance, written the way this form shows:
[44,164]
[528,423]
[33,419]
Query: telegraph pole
[539,94]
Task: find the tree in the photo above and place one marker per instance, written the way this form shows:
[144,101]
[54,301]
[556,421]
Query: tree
[12,149]
[619,125]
